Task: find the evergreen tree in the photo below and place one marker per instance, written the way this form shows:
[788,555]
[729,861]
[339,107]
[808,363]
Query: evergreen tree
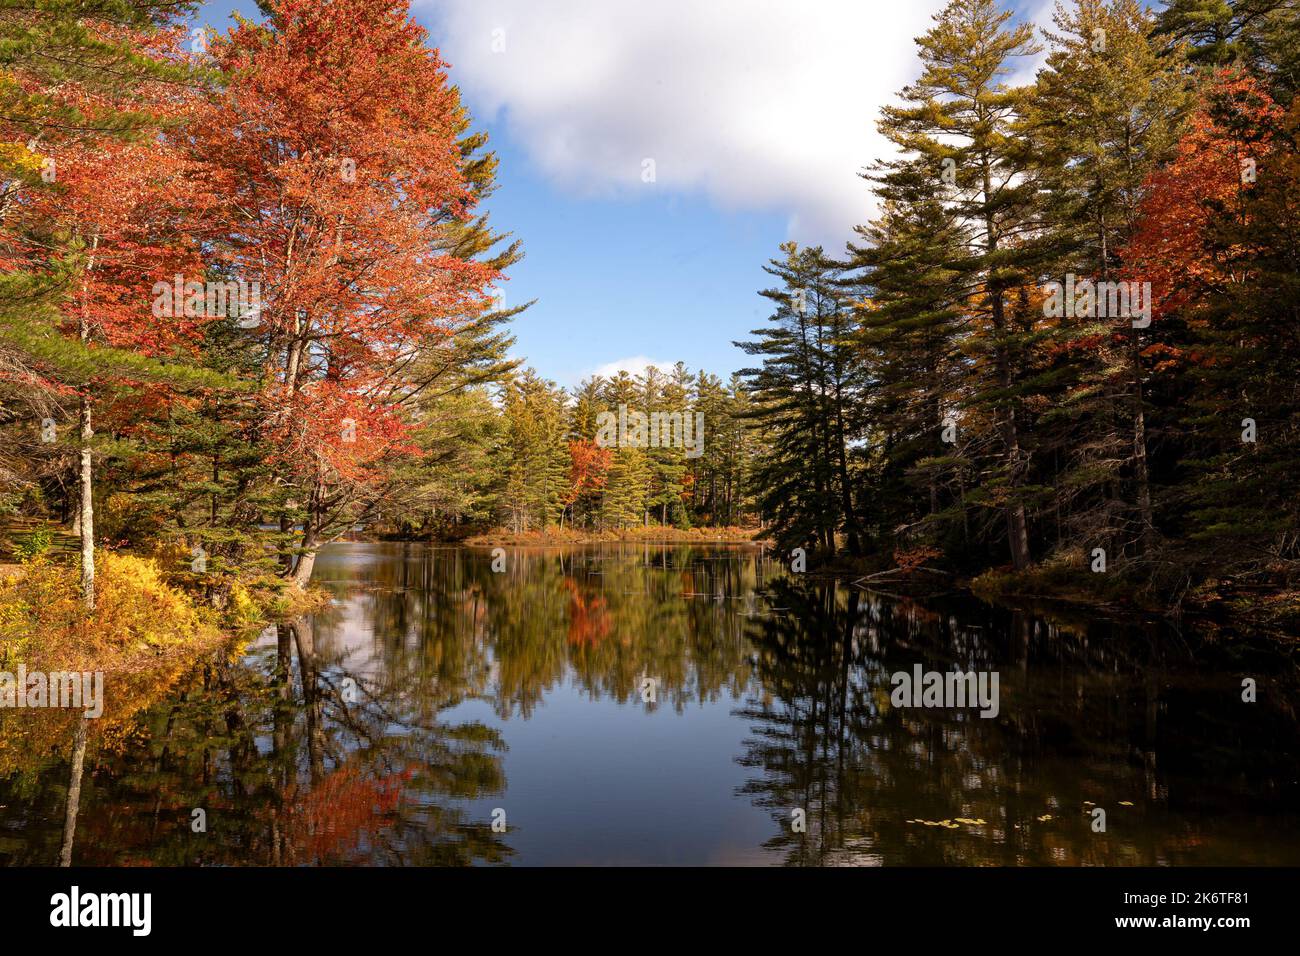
[624,501]
[667,397]
[1260,35]
[1105,113]
[535,462]
[959,120]
[909,313]
[803,395]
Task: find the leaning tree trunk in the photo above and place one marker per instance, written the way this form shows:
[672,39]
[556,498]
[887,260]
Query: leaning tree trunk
[310,543]
[306,559]
[306,564]
[307,548]
[74,793]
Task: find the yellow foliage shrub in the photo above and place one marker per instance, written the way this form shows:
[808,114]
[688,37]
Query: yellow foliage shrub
[134,609]
[134,605]
[143,636]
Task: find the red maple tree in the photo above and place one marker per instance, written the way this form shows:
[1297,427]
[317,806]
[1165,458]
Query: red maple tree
[334,145]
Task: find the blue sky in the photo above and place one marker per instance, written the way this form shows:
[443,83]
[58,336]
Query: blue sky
[757,114]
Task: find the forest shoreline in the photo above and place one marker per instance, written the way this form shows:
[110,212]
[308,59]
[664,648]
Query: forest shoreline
[1225,605]
[148,616]
[654,534]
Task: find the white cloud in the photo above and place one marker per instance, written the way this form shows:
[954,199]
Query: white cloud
[759,104]
[634,365]
[1039,14]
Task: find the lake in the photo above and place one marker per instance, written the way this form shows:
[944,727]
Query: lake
[646,704]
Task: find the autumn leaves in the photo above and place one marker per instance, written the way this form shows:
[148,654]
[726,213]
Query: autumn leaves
[278,221]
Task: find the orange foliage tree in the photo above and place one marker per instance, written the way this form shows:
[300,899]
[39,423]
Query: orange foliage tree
[333,145]
[115,204]
[1230,137]
[588,471]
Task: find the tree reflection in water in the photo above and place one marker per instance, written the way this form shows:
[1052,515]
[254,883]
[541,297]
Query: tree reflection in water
[1091,715]
[374,731]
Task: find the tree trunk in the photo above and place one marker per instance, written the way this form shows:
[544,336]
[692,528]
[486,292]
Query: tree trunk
[846,490]
[306,560]
[86,525]
[305,637]
[1017,527]
[1141,472]
[74,793]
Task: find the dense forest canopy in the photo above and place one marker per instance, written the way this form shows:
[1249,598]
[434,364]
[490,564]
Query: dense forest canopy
[1068,341]
[248,305]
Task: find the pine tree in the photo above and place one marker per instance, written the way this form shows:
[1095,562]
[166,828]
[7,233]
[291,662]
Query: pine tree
[1105,113]
[959,120]
[667,397]
[626,494]
[803,395]
[910,299]
[708,470]
[536,459]
[719,479]
[1260,35]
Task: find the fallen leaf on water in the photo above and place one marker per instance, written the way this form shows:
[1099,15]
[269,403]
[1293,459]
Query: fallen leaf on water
[1126,803]
[1044,818]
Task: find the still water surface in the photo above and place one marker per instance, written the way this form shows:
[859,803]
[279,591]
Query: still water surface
[676,705]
